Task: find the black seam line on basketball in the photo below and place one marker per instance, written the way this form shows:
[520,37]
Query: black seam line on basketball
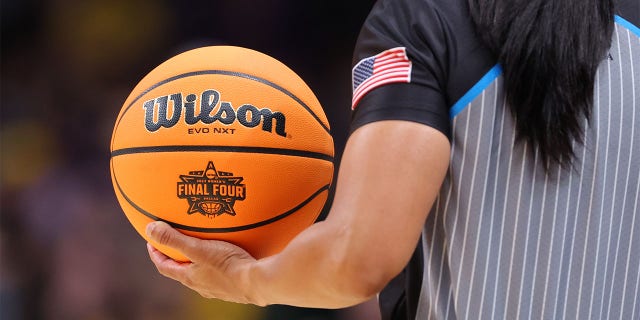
[237,149]
[220,230]
[227,73]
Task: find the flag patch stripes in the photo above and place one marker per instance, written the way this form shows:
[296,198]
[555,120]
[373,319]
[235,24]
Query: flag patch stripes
[389,66]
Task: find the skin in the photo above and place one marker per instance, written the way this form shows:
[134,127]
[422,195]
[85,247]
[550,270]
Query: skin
[390,175]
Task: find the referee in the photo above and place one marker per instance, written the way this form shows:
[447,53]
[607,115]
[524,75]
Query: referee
[492,172]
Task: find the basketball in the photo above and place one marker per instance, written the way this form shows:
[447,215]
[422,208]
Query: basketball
[223,143]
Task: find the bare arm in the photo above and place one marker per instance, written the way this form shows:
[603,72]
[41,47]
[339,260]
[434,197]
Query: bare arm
[390,174]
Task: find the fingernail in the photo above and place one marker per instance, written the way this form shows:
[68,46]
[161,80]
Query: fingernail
[150,227]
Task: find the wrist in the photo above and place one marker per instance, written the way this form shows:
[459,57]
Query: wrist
[252,284]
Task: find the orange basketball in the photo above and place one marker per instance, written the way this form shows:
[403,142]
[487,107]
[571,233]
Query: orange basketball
[223,143]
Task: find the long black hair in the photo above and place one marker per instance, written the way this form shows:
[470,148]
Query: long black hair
[549,51]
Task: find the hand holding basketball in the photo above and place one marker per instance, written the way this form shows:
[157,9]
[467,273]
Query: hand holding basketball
[217,268]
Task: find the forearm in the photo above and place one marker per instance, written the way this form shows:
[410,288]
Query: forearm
[315,270]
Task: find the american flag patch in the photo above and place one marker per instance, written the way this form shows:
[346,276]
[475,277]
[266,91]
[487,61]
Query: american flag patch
[390,66]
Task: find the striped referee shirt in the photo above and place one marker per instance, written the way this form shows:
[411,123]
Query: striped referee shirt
[507,239]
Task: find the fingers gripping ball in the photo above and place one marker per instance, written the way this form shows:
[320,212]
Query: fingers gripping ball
[223,143]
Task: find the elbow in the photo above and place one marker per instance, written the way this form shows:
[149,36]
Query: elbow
[368,282]
[360,283]
[361,269]
[363,274]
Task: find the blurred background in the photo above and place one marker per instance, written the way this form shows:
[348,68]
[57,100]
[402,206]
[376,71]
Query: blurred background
[66,249]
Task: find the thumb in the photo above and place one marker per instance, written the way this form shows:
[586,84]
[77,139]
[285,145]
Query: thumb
[163,234]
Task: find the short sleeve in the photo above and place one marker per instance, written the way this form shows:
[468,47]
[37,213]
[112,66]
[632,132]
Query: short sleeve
[399,67]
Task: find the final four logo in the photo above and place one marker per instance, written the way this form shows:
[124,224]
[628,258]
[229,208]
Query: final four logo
[211,192]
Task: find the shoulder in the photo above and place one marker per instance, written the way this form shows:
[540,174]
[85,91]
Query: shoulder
[413,23]
[440,40]
[629,10]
